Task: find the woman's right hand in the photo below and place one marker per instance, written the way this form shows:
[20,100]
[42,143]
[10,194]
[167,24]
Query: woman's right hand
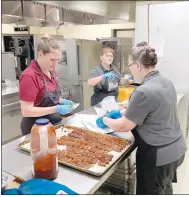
[63,109]
[115,114]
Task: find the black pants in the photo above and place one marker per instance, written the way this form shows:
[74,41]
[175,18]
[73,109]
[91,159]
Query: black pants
[165,175]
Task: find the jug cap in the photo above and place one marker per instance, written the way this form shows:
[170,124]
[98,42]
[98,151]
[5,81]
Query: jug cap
[42,121]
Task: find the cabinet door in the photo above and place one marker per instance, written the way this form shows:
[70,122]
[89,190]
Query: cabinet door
[11,124]
[87,93]
[89,57]
[125,46]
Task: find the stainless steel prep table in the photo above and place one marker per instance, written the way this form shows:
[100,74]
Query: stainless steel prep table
[19,163]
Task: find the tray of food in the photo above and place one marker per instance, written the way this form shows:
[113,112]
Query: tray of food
[86,150]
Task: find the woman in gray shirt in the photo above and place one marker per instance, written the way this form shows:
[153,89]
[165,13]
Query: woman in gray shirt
[152,117]
[105,78]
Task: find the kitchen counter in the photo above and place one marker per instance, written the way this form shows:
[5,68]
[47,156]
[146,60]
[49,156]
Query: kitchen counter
[19,163]
[10,94]
[10,90]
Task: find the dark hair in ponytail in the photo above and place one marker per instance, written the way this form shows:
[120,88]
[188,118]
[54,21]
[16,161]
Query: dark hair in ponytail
[144,54]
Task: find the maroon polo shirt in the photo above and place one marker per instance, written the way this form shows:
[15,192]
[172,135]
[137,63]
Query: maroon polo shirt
[31,85]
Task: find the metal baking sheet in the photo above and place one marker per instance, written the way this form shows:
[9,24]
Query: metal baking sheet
[95,169]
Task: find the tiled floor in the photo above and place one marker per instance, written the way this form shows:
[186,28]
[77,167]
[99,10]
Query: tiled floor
[182,185]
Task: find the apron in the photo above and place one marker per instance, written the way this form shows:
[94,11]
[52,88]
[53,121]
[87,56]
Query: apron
[50,98]
[110,88]
[146,165]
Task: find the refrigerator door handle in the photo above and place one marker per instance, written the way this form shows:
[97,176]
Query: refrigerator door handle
[123,64]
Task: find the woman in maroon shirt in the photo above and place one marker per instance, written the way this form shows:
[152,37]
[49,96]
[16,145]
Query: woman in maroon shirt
[39,89]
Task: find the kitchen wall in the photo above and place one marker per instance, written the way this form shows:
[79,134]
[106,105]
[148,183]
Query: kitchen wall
[168,33]
[89,32]
[125,34]
[9,29]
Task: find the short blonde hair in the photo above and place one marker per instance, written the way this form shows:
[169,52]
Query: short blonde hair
[47,44]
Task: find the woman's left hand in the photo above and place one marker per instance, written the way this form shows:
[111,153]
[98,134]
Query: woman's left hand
[66,102]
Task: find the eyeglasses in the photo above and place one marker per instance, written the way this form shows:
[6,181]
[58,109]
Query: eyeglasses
[131,64]
[111,56]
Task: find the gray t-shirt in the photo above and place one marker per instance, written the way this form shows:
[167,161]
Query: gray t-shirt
[153,107]
[100,70]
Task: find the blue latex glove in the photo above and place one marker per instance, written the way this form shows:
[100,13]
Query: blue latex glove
[67,102]
[63,109]
[100,123]
[115,114]
[109,75]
